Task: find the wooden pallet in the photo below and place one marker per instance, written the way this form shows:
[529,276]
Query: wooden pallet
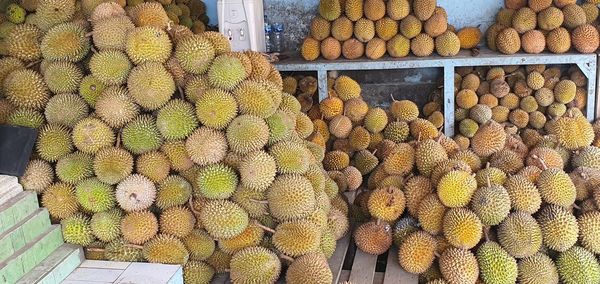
[361,266]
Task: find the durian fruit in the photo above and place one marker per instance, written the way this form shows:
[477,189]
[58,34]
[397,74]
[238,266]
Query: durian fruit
[111,33]
[373,237]
[216,181]
[417,252]
[330,9]
[410,26]
[296,238]
[520,235]
[255,264]
[309,268]
[26,88]
[469,37]
[495,264]
[150,85]
[66,41]
[111,165]
[456,188]
[559,227]
[91,134]
[533,41]
[135,193]
[195,54]
[459,266]
[139,227]
[247,133]
[491,204]
[24,42]
[320,28]
[105,225]
[558,40]
[577,265]
[462,228]
[90,89]
[489,139]
[386,203]
[149,14]
[572,132]
[111,67]
[176,120]
[173,191]
[422,45]
[310,49]
[206,146]
[38,175]
[197,272]
[65,109]
[556,187]
[588,229]
[524,20]
[141,135]
[223,219]
[165,249]
[62,77]
[508,41]
[424,9]
[200,245]
[24,117]
[290,197]
[95,196]
[447,44]
[59,198]
[177,221]
[212,100]
[76,230]
[115,107]
[537,269]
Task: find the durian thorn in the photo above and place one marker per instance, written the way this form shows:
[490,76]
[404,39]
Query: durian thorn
[95,249]
[487,181]
[259,201]
[33,63]
[134,246]
[270,230]
[285,257]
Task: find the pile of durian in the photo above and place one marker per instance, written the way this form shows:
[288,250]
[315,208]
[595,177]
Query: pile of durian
[500,206]
[189,13]
[524,99]
[157,144]
[373,28]
[536,26]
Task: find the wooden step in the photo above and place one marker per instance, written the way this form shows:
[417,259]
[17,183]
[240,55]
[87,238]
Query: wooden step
[9,187]
[23,232]
[56,267]
[16,209]
[29,256]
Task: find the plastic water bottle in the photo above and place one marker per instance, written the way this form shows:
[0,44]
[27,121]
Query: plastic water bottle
[268,43]
[278,38]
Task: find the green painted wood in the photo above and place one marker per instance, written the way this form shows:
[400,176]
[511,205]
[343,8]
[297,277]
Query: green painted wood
[56,267]
[16,209]
[26,258]
[23,232]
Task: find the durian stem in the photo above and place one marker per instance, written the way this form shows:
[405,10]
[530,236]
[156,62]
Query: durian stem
[181,93]
[487,165]
[393,99]
[576,206]
[134,246]
[265,228]
[118,142]
[486,233]
[259,201]
[378,221]
[487,181]
[191,206]
[95,249]
[89,34]
[437,254]
[544,166]
[33,64]
[285,257]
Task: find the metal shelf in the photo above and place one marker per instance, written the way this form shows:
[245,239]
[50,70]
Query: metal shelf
[586,62]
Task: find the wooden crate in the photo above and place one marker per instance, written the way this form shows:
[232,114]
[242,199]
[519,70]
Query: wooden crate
[351,264]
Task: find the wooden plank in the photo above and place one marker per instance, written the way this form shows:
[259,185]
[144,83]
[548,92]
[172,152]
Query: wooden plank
[394,273]
[337,259]
[344,276]
[378,279]
[363,268]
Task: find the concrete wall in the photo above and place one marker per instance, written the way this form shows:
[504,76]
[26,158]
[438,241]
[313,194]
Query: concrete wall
[296,14]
